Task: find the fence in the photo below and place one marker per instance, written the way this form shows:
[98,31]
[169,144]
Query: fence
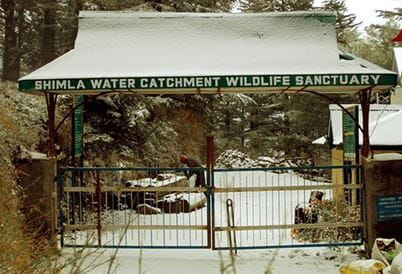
[287,207]
[160,208]
[132,207]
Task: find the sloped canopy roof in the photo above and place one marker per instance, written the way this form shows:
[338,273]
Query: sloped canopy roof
[384,125]
[211,53]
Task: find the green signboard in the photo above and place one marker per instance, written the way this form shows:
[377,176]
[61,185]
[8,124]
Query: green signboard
[78,126]
[389,208]
[351,134]
[218,81]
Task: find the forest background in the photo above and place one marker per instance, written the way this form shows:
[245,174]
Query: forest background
[151,130]
[154,130]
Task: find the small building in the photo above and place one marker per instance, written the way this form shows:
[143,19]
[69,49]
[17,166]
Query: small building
[385,137]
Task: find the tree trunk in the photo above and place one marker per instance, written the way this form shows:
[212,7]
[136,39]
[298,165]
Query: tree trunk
[76,6]
[51,102]
[11,54]
[243,129]
[48,47]
[227,120]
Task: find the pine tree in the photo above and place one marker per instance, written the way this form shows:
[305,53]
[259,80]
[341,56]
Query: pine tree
[273,128]
[11,59]
[376,45]
[392,14]
[344,22]
[275,5]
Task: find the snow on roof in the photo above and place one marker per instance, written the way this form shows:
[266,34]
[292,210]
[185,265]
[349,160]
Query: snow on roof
[139,51]
[386,157]
[397,67]
[384,124]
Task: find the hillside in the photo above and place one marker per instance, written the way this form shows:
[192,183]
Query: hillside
[22,124]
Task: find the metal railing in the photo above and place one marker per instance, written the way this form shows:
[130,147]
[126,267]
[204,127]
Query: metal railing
[288,207]
[132,207]
[161,208]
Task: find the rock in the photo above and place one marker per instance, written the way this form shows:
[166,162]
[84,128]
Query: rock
[388,270]
[396,266]
[147,209]
[363,266]
[234,159]
[329,255]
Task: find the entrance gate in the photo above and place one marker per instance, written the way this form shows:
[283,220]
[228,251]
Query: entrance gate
[157,208]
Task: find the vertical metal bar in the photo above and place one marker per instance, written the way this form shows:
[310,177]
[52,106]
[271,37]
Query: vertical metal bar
[230,221]
[362,207]
[272,207]
[247,206]
[259,205]
[73,197]
[240,209]
[210,210]
[60,199]
[99,202]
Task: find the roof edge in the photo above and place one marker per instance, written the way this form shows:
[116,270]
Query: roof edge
[140,14]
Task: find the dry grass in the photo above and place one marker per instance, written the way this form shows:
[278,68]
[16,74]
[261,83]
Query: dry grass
[330,212]
[18,116]
[22,123]
[15,245]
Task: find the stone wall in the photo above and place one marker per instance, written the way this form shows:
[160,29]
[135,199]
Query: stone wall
[382,177]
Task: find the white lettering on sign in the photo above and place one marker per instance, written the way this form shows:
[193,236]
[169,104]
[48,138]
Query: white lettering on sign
[343,80]
[232,81]
[354,80]
[144,83]
[375,78]
[209,82]
[178,82]
[80,85]
[131,83]
[153,83]
[61,85]
[299,80]
[286,80]
[123,83]
[96,83]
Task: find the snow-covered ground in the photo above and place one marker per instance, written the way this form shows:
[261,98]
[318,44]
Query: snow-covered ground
[250,209]
[261,207]
[278,261]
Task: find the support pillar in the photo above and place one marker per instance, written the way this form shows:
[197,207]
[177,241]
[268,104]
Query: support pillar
[365,103]
[51,102]
[37,180]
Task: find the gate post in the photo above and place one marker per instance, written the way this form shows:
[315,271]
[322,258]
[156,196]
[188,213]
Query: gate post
[37,179]
[210,199]
[383,198]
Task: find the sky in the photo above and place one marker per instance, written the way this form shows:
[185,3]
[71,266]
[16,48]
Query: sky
[365,10]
